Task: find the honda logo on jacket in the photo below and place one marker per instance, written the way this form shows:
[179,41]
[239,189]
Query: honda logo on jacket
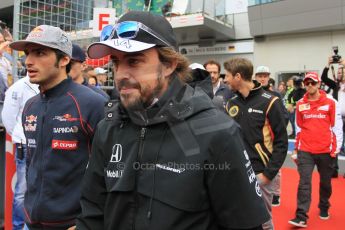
[116,154]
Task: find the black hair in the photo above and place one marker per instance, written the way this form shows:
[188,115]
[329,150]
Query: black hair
[59,55]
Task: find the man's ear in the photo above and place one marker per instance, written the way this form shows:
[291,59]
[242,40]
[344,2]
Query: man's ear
[238,76]
[64,61]
[169,68]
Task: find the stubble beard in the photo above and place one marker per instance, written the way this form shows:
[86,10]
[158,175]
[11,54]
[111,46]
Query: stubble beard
[137,102]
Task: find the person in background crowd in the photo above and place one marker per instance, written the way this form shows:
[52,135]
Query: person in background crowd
[296,94]
[16,97]
[77,67]
[261,118]
[159,125]
[289,106]
[101,76]
[262,75]
[58,124]
[3,88]
[89,71]
[5,64]
[219,88]
[282,88]
[93,81]
[316,114]
[166,8]
[201,76]
[338,88]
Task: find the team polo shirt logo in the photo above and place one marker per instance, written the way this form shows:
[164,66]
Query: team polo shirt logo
[116,168]
[64,145]
[65,117]
[303,107]
[30,123]
[73,129]
[116,154]
[323,108]
[251,110]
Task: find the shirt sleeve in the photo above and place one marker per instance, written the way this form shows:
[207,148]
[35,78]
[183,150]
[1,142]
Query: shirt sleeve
[329,82]
[11,109]
[338,126]
[298,122]
[234,192]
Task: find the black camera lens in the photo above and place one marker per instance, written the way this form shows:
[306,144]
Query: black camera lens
[335,58]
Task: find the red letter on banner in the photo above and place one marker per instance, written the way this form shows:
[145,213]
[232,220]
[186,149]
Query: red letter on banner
[102,21]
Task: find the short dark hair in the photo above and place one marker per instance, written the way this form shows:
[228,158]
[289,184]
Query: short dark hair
[59,55]
[213,62]
[240,65]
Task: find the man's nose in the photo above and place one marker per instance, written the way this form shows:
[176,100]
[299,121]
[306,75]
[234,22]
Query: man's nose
[28,60]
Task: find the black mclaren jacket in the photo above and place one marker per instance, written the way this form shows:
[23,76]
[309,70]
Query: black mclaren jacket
[59,126]
[179,165]
[261,118]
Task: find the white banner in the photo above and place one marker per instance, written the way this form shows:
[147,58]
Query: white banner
[101,18]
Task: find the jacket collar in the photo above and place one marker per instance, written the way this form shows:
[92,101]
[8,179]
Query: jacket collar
[253,92]
[58,90]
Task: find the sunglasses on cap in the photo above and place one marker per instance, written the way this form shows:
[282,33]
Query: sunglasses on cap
[128,30]
[307,83]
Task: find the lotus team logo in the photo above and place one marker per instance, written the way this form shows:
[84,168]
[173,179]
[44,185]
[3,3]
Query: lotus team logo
[233,111]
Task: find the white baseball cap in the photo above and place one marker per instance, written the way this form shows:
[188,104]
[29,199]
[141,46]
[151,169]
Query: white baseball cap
[100,70]
[262,69]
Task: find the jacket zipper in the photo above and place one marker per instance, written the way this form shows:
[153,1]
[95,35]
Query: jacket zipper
[41,166]
[139,157]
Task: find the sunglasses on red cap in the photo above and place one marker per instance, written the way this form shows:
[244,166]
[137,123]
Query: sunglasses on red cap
[313,83]
[128,30]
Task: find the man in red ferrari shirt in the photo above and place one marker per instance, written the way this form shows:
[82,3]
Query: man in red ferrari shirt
[317,118]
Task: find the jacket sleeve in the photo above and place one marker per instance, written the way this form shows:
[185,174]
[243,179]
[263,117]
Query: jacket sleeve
[93,190]
[329,82]
[276,120]
[298,123]
[11,108]
[338,126]
[234,192]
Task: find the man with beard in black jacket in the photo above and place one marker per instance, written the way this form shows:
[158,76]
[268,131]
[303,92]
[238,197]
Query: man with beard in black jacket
[164,157]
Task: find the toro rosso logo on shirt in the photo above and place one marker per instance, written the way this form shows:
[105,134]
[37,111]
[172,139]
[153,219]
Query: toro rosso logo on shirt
[64,145]
[30,123]
[65,117]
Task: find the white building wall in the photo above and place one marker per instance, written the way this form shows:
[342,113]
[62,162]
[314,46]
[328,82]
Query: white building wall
[241,24]
[298,52]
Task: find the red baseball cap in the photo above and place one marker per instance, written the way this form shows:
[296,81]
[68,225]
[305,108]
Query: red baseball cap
[313,76]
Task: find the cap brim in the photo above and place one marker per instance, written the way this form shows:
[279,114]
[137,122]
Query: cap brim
[21,45]
[102,49]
